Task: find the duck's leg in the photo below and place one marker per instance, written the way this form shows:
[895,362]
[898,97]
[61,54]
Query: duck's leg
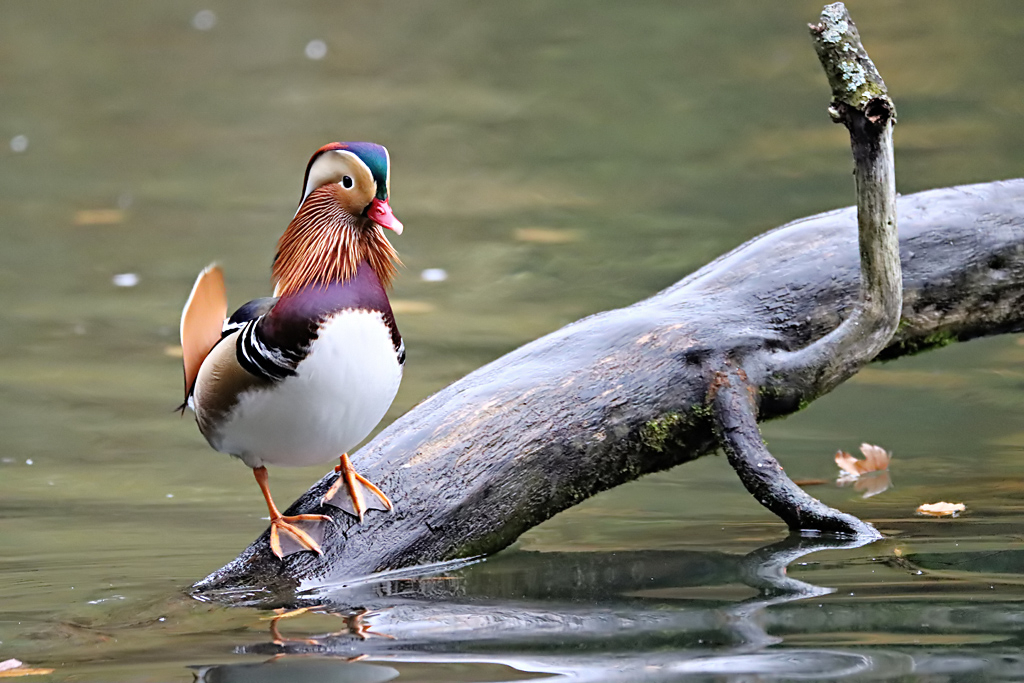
[360,494]
[285,535]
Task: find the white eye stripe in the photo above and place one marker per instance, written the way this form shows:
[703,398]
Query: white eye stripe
[328,166]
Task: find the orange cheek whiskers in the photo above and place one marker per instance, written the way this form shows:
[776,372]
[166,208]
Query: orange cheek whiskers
[324,243]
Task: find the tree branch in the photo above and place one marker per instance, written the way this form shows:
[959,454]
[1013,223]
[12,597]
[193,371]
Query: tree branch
[733,399]
[861,102]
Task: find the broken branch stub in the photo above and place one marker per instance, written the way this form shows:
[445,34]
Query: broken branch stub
[860,102]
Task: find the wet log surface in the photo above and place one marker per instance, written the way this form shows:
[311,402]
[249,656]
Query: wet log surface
[623,393]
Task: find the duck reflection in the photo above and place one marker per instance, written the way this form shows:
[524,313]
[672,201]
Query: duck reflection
[355,624]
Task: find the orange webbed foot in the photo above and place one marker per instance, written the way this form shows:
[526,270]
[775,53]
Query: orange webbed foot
[289,535]
[360,495]
[292,534]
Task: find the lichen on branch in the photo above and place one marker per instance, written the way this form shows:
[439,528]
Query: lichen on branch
[854,80]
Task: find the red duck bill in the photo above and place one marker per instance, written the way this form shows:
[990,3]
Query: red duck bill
[381,214]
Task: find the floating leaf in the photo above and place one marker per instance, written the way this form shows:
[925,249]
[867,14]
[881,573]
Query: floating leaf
[98,216]
[546,235]
[18,673]
[941,509]
[12,668]
[876,459]
[411,307]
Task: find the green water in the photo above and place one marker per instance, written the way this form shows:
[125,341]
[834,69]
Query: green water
[648,138]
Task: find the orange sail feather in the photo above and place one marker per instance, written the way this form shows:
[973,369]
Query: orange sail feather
[202,320]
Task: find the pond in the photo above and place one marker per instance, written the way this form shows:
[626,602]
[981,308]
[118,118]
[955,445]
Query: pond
[550,161]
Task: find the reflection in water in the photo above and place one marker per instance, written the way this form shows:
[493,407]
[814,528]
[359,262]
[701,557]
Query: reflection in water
[281,670]
[623,617]
[356,624]
[868,484]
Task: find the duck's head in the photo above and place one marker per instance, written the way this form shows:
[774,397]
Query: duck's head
[341,219]
[358,175]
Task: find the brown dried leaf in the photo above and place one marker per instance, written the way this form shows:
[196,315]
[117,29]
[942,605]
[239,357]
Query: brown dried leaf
[18,673]
[876,459]
[12,668]
[941,509]
[848,464]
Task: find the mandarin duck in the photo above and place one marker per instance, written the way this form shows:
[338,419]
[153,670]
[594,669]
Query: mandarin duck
[303,376]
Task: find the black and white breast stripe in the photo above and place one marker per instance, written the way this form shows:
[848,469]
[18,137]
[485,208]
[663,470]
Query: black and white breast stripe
[269,363]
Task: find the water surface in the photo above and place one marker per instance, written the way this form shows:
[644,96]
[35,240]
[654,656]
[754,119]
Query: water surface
[555,159]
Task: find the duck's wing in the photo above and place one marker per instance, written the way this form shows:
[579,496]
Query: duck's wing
[248,311]
[272,341]
[202,321]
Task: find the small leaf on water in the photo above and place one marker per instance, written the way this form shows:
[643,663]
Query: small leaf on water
[875,459]
[546,235]
[941,509]
[411,307]
[99,216]
[12,668]
[18,673]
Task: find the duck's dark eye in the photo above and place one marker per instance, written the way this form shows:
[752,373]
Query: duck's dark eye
[347,183]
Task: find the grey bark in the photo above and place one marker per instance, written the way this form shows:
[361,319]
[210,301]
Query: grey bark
[860,102]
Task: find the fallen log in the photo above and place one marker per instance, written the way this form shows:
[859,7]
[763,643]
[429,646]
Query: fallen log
[756,334]
[625,393]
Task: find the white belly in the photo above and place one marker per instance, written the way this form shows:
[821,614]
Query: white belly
[342,390]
